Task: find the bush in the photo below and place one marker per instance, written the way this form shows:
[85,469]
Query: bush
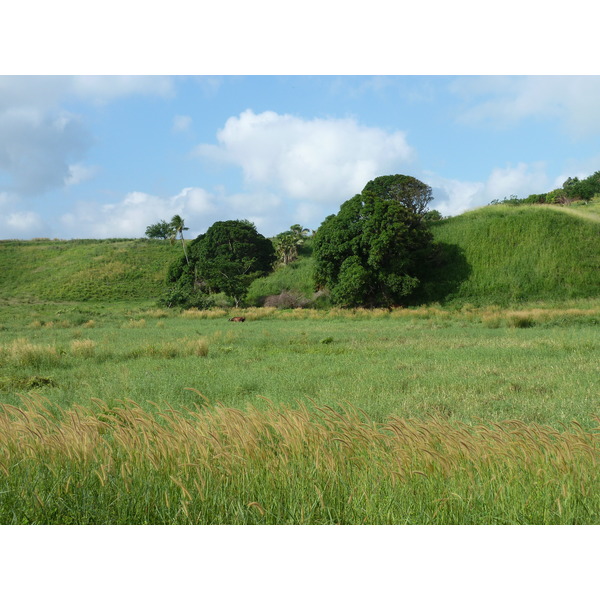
[286,299]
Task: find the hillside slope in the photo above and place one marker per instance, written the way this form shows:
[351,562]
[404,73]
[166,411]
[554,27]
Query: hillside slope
[502,254]
[118,269]
[493,255]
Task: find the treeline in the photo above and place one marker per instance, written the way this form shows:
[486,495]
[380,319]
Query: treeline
[374,252]
[573,189]
[379,250]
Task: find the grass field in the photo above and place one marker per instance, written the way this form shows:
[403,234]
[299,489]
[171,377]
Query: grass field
[146,415]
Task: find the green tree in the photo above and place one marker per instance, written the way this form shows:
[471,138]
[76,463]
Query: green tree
[161,230]
[177,226]
[227,258]
[286,247]
[369,253]
[287,243]
[432,215]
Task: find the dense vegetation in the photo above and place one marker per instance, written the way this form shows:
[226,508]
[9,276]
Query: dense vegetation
[225,259]
[497,254]
[368,254]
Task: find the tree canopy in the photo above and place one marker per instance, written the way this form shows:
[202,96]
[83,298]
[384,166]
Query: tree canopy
[161,230]
[288,242]
[227,258]
[369,253]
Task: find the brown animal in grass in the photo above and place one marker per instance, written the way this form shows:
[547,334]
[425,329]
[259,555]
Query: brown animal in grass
[238,319]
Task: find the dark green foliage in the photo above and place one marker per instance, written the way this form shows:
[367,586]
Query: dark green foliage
[369,253]
[432,215]
[161,230]
[227,258]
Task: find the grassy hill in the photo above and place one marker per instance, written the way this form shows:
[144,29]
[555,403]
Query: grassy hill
[503,254]
[118,269]
[493,255]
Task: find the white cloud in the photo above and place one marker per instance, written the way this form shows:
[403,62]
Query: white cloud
[318,160]
[21,224]
[573,101]
[36,148]
[199,208]
[452,197]
[41,145]
[79,173]
[520,181]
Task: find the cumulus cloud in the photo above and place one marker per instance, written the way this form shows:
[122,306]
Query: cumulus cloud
[199,208]
[36,149]
[318,160]
[573,101]
[452,197]
[42,146]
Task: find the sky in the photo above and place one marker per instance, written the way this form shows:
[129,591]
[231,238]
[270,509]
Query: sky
[106,156]
[115,116]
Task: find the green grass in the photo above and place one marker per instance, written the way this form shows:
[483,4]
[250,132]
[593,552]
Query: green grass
[538,365]
[429,415]
[307,465]
[507,254]
[296,277]
[84,269]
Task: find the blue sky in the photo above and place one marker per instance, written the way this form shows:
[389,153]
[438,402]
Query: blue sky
[105,156]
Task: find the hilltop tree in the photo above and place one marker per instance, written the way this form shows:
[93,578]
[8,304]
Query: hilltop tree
[227,258]
[177,226]
[369,253]
[161,230]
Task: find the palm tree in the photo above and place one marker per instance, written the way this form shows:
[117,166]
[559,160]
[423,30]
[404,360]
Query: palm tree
[299,231]
[178,227]
[286,246]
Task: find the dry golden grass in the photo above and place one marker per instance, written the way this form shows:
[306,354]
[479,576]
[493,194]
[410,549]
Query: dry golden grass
[333,461]
[83,348]
[195,313]
[23,352]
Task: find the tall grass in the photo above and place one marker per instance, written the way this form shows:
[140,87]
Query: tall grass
[515,254]
[282,465]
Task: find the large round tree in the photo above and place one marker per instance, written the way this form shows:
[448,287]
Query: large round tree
[369,253]
[227,258]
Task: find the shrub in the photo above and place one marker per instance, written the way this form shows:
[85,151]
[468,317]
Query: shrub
[286,299]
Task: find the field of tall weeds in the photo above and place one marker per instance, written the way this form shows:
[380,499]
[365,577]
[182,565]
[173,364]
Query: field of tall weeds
[306,464]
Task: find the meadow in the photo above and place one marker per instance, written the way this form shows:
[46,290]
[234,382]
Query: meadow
[127,413]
